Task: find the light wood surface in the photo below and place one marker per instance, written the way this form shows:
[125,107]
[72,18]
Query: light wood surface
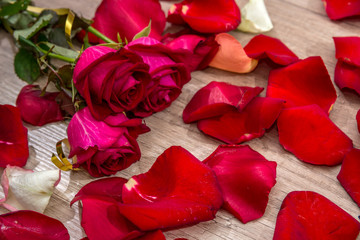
[304,27]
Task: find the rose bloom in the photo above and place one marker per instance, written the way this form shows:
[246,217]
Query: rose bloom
[168,75]
[104,147]
[111,81]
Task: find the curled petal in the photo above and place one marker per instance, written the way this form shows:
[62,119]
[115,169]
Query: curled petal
[311,136]
[340,9]
[348,49]
[38,109]
[169,194]
[31,225]
[245,178]
[236,127]
[303,83]
[231,56]
[347,76]
[206,16]
[309,215]
[262,46]
[128,18]
[217,98]
[14,149]
[255,18]
[28,190]
[349,175]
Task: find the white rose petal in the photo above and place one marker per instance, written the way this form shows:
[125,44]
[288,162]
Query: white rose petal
[255,18]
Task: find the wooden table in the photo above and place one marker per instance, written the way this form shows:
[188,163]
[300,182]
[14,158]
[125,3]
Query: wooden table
[305,28]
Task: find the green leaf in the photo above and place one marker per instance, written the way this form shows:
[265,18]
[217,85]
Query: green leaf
[60,50]
[143,33]
[57,36]
[29,32]
[63,77]
[14,8]
[20,20]
[26,66]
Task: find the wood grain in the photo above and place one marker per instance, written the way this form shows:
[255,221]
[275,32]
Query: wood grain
[304,27]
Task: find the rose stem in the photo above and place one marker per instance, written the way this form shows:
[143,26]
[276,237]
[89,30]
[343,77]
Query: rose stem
[99,35]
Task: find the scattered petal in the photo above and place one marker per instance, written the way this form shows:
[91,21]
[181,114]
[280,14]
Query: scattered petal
[245,178]
[311,136]
[206,16]
[38,109]
[14,149]
[104,147]
[128,18]
[236,127]
[231,56]
[348,49]
[309,215]
[255,18]
[28,190]
[262,46]
[169,194]
[303,83]
[358,120]
[155,235]
[347,76]
[31,225]
[336,9]
[217,98]
[349,175]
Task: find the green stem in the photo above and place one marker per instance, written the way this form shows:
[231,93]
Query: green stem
[57,56]
[99,35]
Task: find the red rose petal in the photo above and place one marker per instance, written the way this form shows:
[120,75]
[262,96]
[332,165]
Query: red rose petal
[31,225]
[14,149]
[178,190]
[101,218]
[156,235]
[309,215]
[217,98]
[128,18]
[38,109]
[336,9]
[303,83]
[262,46]
[206,16]
[311,136]
[349,176]
[348,48]
[347,76]
[245,178]
[358,120]
[235,127]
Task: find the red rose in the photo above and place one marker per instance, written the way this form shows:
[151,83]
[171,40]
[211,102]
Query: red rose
[104,147]
[110,81]
[168,75]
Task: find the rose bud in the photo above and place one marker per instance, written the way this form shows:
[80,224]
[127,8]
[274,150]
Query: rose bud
[168,76]
[110,81]
[104,147]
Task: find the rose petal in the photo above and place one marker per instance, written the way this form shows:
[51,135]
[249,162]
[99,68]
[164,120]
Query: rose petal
[262,46]
[348,49]
[231,56]
[169,194]
[156,235]
[349,175]
[255,18]
[358,120]
[245,178]
[340,9]
[14,149]
[38,109]
[195,51]
[311,136]
[128,18]
[235,127]
[31,225]
[303,83]
[206,16]
[347,76]
[28,190]
[309,215]
[217,98]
